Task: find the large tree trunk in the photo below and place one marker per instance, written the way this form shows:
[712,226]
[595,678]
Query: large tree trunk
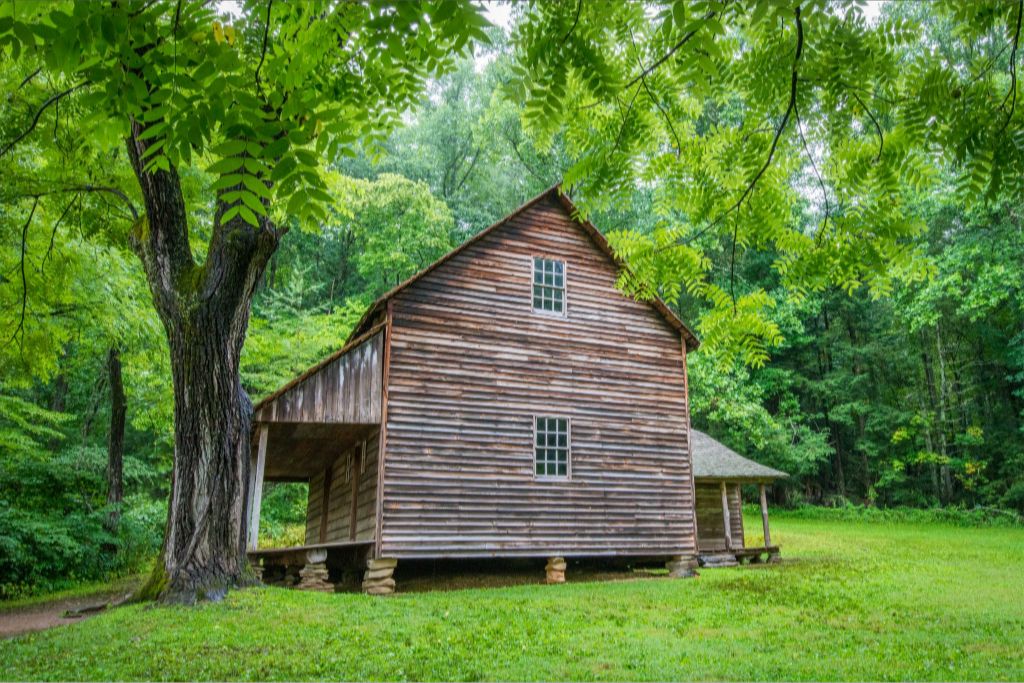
[204,550]
[205,312]
[115,444]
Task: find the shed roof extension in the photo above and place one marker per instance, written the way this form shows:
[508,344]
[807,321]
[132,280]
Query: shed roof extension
[714,460]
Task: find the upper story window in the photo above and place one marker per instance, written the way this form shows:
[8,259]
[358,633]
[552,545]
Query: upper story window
[551,446]
[548,286]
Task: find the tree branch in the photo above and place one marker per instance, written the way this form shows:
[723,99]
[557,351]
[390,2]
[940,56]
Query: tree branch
[579,6]
[20,329]
[88,188]
[771,152]
[821,182]
[1013,70]
[53,233]
[29,78]
[643,80]
[665,57]
[878,128]
[39,112]
[472,165]
[263,51]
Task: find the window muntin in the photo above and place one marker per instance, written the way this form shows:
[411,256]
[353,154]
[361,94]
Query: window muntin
[551,446]
[548,286]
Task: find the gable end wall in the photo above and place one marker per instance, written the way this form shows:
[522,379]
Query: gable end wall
[470,367]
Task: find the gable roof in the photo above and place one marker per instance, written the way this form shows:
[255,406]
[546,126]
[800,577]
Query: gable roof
[714,460]
[595,235]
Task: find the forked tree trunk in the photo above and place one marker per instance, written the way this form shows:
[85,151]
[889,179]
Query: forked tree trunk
[204,549]
[205,312]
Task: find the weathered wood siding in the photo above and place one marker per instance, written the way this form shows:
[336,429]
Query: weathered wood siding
[471,365]
[345,390]
[711,522]
[339,510]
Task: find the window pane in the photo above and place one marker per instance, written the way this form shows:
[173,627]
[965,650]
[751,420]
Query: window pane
[548,285]
[551,446]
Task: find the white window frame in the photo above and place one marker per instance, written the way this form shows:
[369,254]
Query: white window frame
[564,313]
[568,448]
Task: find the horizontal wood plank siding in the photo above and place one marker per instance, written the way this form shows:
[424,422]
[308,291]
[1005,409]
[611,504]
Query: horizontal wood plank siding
[346,390]
[471,365]
[339,516]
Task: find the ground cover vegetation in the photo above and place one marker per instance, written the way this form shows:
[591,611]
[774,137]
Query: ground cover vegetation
[853,600]
[831,201]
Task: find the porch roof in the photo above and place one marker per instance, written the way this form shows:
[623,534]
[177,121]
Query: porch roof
[713,460]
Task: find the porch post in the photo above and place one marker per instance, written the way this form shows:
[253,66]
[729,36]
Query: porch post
[764,516]
[725,516]
[256,488]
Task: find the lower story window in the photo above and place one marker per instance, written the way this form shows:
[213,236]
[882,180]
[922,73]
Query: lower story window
[551,446]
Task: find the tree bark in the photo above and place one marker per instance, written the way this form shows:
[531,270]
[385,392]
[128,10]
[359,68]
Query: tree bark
[115,444]
[205,312]
[947,482]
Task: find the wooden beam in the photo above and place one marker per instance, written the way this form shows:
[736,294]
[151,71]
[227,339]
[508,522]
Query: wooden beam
[764,516]
[382,436]
[325,509]
[726,517]
[358,457]
[256,488]
[692,508]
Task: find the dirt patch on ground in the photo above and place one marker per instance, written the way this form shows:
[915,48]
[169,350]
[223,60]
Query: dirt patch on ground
[46,615]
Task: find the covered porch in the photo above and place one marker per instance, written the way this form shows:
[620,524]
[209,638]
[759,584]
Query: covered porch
[323,429]
[719,476]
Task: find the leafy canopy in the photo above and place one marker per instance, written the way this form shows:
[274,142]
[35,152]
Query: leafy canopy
[258,102]
[792,129]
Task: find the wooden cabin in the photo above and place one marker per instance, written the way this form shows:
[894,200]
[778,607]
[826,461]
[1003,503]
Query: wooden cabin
[719,476]
[507,401]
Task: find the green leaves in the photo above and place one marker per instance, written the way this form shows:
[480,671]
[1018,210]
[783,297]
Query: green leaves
[688,102]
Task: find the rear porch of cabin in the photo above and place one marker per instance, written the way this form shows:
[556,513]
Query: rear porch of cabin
[719,476]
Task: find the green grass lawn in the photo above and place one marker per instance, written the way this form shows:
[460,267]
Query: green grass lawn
[853,600]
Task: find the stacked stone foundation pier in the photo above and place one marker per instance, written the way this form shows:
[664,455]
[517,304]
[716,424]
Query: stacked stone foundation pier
[379,576]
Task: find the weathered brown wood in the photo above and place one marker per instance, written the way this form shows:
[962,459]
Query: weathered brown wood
[256,488]
[328,480]
[346,388]
[726,521]
[351,482]
[383,435]
[764,515]
[358,454]
[470,365]
[304,450]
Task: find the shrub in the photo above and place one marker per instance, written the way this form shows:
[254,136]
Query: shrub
[955,516]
